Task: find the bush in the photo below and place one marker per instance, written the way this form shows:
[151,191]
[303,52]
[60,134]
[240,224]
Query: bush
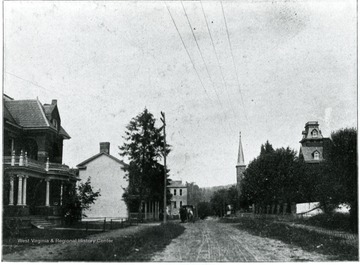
[338,221]
[204,210]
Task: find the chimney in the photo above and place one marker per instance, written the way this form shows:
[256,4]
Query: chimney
[54,102]
[105,148]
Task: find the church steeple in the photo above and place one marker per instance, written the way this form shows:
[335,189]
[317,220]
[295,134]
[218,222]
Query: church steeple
[240,166]
[240,161]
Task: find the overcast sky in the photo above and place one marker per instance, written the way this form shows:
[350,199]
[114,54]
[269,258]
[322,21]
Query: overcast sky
[287,62]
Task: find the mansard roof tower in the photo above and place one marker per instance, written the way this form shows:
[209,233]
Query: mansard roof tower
[240,166]
[314,147]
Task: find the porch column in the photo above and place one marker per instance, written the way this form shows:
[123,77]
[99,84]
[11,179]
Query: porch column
[24,190]
[61,192]
[47,202]
[11,195]
[19,200]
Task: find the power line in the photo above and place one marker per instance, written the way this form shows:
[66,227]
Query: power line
[30,82]
[232,56]
[202,57]
[201,54]
[217,58]
[182,41]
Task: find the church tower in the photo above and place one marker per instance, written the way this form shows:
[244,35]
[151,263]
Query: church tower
[240,166]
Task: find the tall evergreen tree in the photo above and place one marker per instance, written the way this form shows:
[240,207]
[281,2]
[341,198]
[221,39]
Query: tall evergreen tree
[266,148]
[144,148]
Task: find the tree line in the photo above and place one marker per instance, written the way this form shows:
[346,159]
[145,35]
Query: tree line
[278,176]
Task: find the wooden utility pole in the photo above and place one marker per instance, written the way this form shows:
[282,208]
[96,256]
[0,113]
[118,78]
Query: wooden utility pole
[165,173]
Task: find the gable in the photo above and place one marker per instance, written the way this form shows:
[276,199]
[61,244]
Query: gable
[83,164]
[52,113]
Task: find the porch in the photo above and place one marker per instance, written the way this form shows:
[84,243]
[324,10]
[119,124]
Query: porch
[35,188]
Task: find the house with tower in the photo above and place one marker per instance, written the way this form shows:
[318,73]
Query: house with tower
[314,146]
[35,181]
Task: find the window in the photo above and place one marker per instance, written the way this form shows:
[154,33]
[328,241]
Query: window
[314,133]
[55,123]
[175,193]
[180,203]
[316,155]
[174,205]
[180,192]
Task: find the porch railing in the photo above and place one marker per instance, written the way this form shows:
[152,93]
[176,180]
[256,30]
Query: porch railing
[58,167]
[24,161]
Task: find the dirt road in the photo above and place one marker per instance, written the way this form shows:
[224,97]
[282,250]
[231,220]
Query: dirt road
[202,241]
[213,241]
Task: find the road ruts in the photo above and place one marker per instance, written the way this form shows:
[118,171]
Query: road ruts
[211,240]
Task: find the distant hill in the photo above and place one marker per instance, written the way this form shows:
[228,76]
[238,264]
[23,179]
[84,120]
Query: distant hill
[207,192]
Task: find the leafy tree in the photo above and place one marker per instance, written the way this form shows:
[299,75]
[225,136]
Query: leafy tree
[233,197]
[194,193]
[204,210]
[273,177]
[80,199]
[266,148]
[339,178]
[86,195]
[222,198]
[219,201]
[144,148]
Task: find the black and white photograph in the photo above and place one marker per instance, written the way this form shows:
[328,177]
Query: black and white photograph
[180,131]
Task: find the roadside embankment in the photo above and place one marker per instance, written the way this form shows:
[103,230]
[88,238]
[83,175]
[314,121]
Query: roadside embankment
[322,241]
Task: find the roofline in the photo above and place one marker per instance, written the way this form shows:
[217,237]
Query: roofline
[82,164]
[13,124]
[307,139]
[312,122]
[46,128]
[7,96]
[43,112]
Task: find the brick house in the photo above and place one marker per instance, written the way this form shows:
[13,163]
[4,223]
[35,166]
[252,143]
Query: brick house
[107,175]
[35,182]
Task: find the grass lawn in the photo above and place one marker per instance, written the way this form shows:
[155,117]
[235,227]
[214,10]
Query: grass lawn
[335,221]
[27,238]
[137,247]
[307,240]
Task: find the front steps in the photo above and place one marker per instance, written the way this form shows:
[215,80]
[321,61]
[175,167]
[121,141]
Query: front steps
[40,222]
